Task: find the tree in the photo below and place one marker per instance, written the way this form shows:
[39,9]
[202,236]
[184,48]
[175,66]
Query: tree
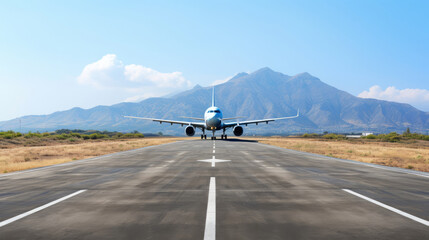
[407,132]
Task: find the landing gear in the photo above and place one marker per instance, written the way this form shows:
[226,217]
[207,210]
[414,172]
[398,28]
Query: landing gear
[223,136]
[204,136]
[213,138]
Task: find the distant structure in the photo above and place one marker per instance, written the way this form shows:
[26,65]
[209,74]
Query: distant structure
[364,134]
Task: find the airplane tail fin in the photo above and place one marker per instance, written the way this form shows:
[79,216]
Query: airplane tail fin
[213,97]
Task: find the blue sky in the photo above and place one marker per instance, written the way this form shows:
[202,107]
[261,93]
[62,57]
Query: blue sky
[56,55]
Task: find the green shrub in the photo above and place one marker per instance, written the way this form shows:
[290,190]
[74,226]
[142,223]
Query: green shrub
[310,135]
[371,136]
[62,136]
[77,135]
[138,135]
[98,136]
[8,136]
[31,135]
[333,136]
[392,137]
[132,135]
[118,135]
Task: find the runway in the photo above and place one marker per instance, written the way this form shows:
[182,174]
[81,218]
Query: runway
[241,190]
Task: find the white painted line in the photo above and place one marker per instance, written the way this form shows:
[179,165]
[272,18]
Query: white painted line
[214,151]
[417,219]
[181,153]
[23,215]
[213,161]
[210,231]
[246,153]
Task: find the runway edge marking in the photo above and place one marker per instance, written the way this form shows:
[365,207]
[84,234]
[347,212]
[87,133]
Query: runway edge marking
[23,215]
[407,215]
[210,230]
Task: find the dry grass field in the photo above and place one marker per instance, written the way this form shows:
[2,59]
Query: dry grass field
[411,154]
[19,157]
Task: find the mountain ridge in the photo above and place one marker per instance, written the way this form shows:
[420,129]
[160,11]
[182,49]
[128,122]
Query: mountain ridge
[260,94]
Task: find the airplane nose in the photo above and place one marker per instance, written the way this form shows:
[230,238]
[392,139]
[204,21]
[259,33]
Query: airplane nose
[213,122]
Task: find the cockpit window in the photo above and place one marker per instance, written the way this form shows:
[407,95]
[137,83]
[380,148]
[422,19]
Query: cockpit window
[213,111]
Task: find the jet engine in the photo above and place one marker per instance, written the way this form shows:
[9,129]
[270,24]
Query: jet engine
[238,131]
[190,131]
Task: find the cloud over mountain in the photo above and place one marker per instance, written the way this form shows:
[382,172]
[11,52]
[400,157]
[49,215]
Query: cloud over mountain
[140,81]
[415,97]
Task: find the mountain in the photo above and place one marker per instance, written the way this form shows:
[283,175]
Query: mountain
[261,94]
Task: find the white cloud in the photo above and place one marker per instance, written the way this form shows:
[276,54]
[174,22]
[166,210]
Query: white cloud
[142,82]
[138,73]
[102,73]
[416,97]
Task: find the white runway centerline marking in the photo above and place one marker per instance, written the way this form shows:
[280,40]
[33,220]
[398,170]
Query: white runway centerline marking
[210,230]
[213,161]
[23,215]
[417,219]
[214,151]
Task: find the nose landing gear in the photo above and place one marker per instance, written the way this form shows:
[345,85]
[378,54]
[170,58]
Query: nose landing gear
[213,138]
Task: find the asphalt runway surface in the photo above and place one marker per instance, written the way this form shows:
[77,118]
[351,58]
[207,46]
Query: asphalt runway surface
[262,192]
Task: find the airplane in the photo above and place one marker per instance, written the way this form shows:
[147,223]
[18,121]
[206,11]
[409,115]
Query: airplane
[213,121]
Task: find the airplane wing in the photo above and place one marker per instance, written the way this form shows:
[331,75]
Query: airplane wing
[223,119]
[195,124]
[199,119]
[232,124]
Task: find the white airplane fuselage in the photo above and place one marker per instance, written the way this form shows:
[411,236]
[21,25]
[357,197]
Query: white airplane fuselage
[213,118]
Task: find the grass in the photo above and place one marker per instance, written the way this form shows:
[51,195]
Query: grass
[411,154]
[18,157]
